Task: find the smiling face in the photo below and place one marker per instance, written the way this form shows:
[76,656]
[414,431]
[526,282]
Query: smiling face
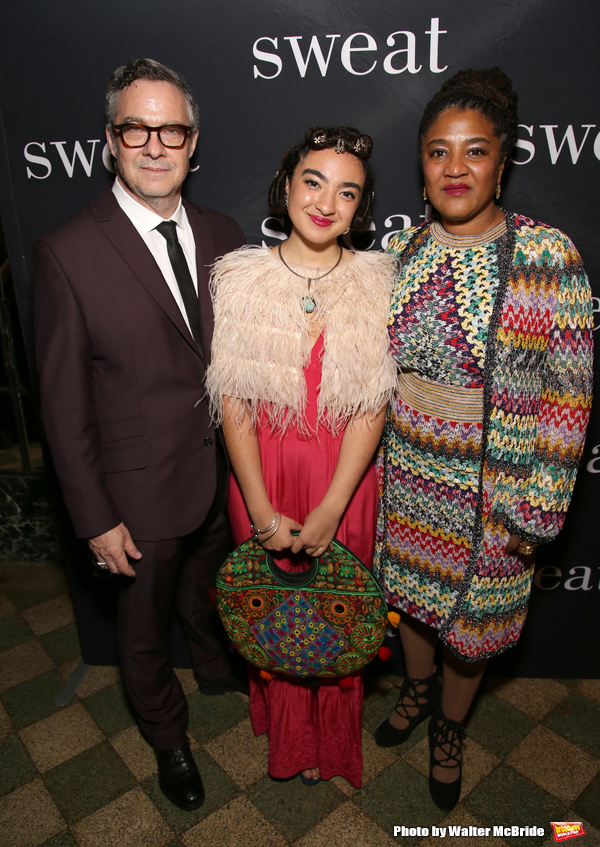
[153,174]
[462,165]
[324,194]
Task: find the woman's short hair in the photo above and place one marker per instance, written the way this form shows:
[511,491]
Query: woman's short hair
[343,139]
[488,91]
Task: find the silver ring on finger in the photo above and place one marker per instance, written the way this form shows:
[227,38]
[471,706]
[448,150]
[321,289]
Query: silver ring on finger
[102,565]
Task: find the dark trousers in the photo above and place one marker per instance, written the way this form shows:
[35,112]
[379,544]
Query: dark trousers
[175,574]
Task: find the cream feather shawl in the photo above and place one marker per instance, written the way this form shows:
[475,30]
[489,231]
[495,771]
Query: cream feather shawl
[261,340]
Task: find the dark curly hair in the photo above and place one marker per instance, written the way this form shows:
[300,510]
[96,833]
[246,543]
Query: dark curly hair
[343,139]
[488,91]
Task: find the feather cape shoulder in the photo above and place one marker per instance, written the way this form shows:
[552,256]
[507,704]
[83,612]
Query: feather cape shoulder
[261,341]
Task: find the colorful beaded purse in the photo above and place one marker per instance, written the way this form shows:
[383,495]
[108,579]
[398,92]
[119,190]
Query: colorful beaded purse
[328,620]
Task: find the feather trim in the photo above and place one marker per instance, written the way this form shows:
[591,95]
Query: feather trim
[261,340]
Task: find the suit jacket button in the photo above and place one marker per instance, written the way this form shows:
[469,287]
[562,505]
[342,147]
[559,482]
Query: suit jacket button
[208,442]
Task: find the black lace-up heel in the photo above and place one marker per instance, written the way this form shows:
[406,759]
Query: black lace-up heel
[425,701]
[445,735]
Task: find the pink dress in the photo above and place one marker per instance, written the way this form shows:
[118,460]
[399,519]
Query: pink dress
[309,725]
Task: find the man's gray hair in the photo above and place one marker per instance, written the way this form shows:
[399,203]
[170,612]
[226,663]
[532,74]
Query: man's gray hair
[124,76]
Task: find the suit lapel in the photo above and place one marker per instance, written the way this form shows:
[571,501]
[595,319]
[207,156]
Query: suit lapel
[205,255]
[130,245]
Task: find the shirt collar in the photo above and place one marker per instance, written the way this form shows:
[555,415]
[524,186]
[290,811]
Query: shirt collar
[144,220]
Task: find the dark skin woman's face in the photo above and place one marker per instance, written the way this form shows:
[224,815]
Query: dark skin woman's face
[462,165]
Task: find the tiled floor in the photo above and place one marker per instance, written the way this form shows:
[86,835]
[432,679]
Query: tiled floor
[82,775]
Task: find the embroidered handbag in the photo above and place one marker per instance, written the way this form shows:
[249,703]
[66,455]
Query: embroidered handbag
[328,620]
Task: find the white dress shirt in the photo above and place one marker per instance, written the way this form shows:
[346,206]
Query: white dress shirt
[146,221]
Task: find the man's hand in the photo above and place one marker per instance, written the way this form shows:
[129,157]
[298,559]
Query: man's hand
[113,547]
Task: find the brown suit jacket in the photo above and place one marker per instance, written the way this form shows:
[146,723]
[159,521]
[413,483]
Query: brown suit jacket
[121,379]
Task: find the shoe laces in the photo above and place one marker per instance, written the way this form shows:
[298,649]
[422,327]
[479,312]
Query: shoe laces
[448,735]
[409,692]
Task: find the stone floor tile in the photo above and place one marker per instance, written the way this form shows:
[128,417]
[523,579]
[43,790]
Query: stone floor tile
[60,737]
[6,727]
[64,839]
[507,798]
[377,709]
[554,764]
[534,697]
[13,630]
[97,677]
[33,700]
[498,726]
[7,607]
[50,615]
[129,821]
[187,679]
[135,751]
[110,709]
[62,644]
[291,807]
[477,762]
[588,802]
[461,818]
[239,822]
[22,663]
[590,688]
[577,718]
[241,754]
[347,827]
[375,759]
[16,767]
[88,781]
[29,815]
[220,789]
[399,796]
[211,716]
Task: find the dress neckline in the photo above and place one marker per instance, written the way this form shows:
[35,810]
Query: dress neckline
[450,239]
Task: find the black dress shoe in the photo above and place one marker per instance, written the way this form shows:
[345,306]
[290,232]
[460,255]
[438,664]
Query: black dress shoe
[223,686]
[179,778]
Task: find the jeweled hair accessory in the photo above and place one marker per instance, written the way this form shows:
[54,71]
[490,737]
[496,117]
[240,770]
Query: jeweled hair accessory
[340,147]
[320,139]
[360,145]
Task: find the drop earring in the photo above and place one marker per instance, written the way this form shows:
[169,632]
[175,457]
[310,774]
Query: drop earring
[498,191]
[424,194]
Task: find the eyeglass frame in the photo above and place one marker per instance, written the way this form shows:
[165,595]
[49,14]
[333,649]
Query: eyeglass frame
[150,130]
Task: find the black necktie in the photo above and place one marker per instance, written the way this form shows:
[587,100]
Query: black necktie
[168,229]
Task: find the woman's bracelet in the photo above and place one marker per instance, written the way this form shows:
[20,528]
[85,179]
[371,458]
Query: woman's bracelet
[258,532]
[262,540]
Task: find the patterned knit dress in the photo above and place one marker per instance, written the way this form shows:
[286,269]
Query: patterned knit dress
[476,330]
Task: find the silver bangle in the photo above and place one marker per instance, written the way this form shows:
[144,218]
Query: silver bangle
[258,532]
[272,533]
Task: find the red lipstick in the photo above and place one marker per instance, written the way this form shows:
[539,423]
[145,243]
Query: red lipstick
[320,221]
[456,188]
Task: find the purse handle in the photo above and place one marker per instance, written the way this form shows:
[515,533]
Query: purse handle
[292,579]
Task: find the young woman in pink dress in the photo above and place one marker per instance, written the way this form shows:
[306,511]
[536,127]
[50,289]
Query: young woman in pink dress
[300,376]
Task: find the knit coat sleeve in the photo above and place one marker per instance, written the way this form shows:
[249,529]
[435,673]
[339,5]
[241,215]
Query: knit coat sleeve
[542,383]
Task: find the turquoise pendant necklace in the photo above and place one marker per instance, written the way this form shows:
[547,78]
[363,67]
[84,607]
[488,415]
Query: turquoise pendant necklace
[308,302]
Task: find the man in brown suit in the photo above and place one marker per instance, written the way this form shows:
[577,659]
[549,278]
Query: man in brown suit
[123,323]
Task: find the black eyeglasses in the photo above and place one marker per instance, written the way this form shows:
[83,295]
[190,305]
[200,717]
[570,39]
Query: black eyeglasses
[138,135]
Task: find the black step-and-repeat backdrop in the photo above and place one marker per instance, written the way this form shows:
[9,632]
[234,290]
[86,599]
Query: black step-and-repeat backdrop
[263,72]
